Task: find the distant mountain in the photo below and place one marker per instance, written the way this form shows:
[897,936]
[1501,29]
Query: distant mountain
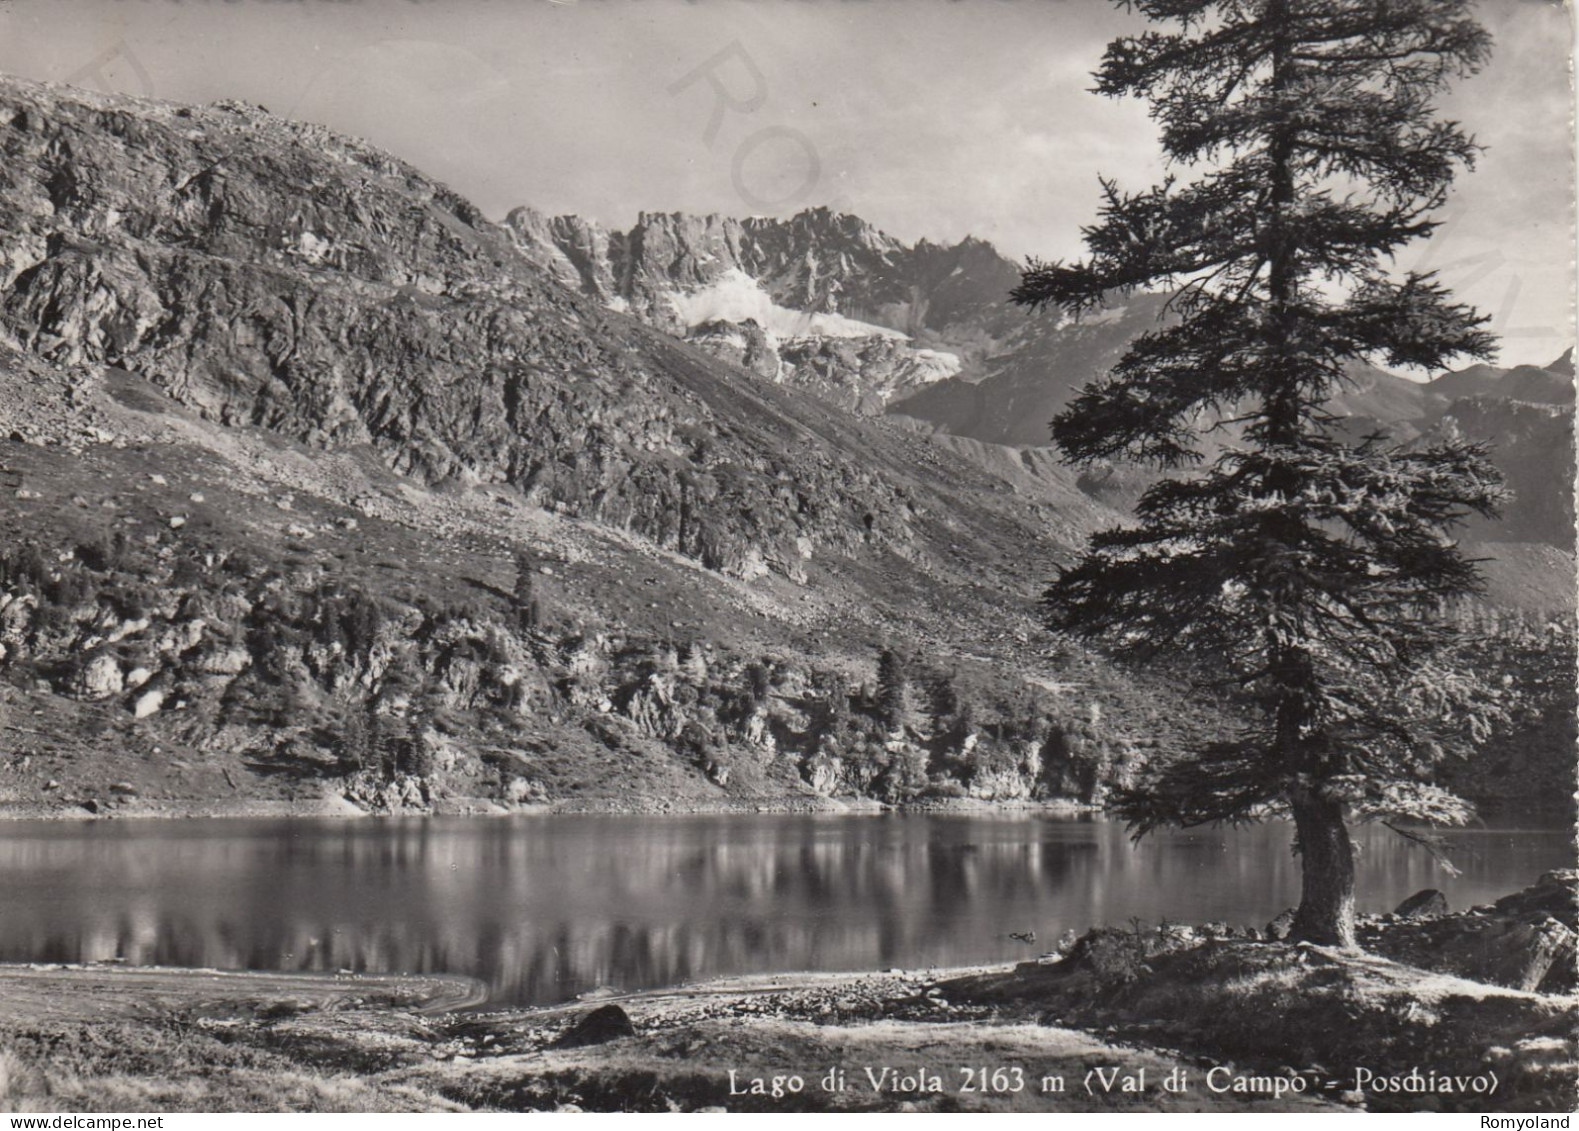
[1533,444]
[1525,413]
[1032,373]
[1549,384]
[822,300]
[1039,368]
[825,302]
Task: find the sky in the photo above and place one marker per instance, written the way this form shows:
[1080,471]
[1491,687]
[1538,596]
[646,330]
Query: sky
[931,119]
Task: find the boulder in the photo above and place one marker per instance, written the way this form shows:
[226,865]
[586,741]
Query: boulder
[1562,976]
[148,703]
[99,678]
[1555,894]
[1513,953]
[605,1023]
[224,660]
[1280,928]
[823,771]
[1111,955]
[1526,940]
[1422,904]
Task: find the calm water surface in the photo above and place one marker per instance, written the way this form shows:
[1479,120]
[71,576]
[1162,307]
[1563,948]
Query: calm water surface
[544,908]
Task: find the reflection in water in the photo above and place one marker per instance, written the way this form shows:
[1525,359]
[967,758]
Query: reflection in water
[544,908]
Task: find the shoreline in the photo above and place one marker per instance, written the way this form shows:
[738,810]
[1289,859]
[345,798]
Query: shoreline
[340,809]
[1301,1020]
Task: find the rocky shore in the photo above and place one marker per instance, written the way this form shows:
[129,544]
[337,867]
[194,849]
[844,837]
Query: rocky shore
[121,807]
[1174,1018]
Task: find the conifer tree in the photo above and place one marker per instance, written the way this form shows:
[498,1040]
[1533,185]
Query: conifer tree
[893,688]
[382,745]
[945,703]
[355,742]
[836,720]
[759,684]
[1303,567]
[413,755]
[528,606]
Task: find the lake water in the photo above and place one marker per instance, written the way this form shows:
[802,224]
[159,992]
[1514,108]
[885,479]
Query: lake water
[544,908]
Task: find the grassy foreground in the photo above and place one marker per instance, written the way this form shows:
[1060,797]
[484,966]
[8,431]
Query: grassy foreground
[1243,1024]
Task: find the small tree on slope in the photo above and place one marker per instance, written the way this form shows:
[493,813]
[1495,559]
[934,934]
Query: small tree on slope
[1303,570]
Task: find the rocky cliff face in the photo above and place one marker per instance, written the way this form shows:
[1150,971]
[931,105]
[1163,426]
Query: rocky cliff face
[838,307]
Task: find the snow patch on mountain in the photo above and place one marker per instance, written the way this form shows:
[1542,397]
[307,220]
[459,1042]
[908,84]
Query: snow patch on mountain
[939,362]
[735,297]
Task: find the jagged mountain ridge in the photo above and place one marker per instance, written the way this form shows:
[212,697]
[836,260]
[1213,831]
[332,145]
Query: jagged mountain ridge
[821,300]
[817,262]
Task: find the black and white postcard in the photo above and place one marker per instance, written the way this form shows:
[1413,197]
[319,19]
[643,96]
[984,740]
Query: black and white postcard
[755,556]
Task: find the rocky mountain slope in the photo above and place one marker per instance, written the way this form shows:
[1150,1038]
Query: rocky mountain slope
[319,489]
[315,488]
[380,309]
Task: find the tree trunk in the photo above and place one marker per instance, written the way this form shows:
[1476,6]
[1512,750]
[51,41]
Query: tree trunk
[1326,901]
